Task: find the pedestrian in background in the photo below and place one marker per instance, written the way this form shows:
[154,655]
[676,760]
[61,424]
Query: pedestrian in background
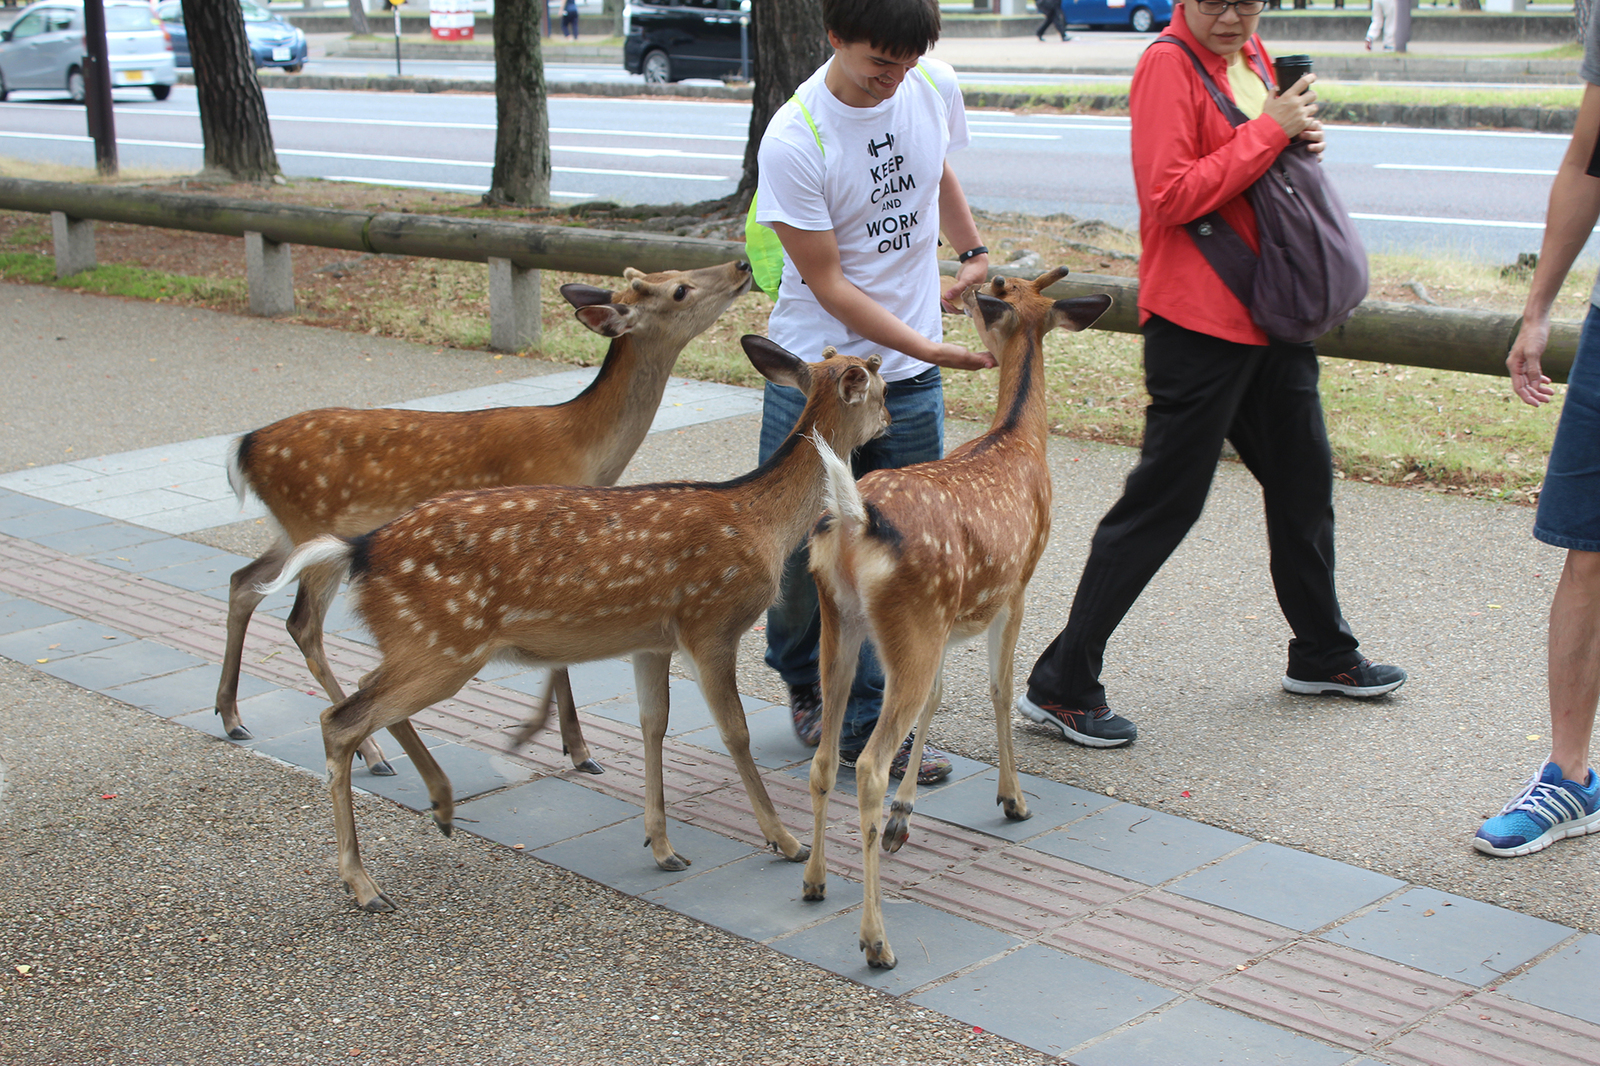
[1385,22]
[1562,799]
[569,19]
[1054,16]
[1212,375]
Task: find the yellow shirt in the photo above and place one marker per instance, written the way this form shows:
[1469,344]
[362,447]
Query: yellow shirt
[1248,91]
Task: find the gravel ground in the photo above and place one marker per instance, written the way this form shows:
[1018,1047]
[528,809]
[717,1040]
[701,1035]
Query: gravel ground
[169,898]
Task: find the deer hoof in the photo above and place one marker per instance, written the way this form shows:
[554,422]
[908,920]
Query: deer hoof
[239,732]
[673,863]
[895,833]
[880,956]
[379,904]
[445,827]
[813,893]
[381,768]
[589,766]
[1016,810]
[802,852]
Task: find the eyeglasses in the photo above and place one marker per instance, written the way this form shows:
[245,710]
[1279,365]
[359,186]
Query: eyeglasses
[1243,7]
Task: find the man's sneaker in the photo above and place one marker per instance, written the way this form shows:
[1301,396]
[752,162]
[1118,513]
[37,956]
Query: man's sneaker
[805,710]
[935,763]
[1097,727]
[1549,809]
[1365,681]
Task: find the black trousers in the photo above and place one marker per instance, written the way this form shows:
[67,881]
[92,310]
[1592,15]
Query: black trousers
[1202,390]
[1056,18]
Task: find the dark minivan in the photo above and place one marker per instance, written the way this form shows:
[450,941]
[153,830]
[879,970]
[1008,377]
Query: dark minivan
[669,40]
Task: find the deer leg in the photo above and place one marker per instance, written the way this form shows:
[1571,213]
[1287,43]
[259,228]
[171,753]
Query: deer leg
[1002,647]
[839,648]
[898,829]
[439,792]
[344,726]
[242,602]
[716,671]
[650,684]
[572,741]
[311,601]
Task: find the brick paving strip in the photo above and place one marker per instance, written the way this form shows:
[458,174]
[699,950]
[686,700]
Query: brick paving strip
[1097,930]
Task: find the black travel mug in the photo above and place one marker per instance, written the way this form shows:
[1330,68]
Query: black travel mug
[1291,69]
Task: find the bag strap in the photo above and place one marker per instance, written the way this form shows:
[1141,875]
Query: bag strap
[1224,103]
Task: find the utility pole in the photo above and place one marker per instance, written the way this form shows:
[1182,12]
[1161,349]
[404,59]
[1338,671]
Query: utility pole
[97,89]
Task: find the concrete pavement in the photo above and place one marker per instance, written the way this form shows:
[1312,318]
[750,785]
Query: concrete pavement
[1260,878]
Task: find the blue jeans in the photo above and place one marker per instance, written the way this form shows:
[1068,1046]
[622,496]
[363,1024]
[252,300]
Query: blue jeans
[1569,507]
[794,623]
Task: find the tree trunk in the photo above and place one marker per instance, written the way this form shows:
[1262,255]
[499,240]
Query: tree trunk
[358,19]
[614,9]
[233,114]
[522,120]
[790,44]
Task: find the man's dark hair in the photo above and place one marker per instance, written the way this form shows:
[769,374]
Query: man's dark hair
[893,27]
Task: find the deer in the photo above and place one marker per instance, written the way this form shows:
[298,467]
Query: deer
[555,575]
[925,557]
[344,471]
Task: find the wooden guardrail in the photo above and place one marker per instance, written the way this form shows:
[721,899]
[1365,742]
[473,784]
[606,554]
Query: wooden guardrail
[1403,334]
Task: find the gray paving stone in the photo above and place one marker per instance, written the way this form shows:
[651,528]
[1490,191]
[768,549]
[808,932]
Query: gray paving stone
[972,803]
[119,663]
[542,812]
[1134,842]
[592,683]
[59,640]
[1564,982]
[158,553]
[472,772]
[961,768]
[267,710]
[92,540]
[17,614]
[209,575]
[183,692]
[773,744]
[928,944]
[613,856]
[1196,1032]
[1044,998]
[1271,882]
[39,522]
[303,749]
[16,504]
[1449,935]
[687,711]
[756,897]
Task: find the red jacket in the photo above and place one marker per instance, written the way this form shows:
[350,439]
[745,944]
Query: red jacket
[1187,162]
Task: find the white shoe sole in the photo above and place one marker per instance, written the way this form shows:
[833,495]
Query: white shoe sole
[1030,710]
[1332,688]
[1581,827]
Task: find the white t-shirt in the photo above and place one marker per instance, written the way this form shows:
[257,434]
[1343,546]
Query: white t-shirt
[875,183]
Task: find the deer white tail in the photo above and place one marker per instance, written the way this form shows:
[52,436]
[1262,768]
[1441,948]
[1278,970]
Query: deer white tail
[236,478]
[839,492]
[325,550]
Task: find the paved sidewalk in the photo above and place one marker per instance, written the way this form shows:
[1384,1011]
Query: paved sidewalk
[1111,928]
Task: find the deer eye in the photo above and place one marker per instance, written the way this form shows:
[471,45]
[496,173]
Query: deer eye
[683,291]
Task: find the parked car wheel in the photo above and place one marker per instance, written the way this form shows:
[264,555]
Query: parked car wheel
[160,92]
[75,87]
[1141,21]
[294,68]
[3,90]
[657,67]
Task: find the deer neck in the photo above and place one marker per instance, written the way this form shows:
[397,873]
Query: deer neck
[613,415]
[1020,402]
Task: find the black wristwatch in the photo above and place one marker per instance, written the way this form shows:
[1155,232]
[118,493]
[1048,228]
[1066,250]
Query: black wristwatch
[971,252]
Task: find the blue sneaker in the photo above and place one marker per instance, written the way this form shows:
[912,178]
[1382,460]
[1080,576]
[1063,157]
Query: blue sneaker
[1547,810]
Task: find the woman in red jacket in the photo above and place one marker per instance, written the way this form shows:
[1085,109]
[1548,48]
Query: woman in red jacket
[1212,374]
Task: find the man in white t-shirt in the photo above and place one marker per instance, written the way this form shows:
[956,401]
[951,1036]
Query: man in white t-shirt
[855,182]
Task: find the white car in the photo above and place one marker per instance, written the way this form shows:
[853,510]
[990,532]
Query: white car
[44,49]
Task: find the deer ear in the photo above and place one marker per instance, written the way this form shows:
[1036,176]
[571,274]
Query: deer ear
[1080,312]
[992,309]
[608,320]
[776,363]
[854,384]
[580,295]
[633,272]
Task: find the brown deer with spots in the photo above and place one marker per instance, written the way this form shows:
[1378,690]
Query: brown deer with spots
[924,557]
[345,471]
[551,575]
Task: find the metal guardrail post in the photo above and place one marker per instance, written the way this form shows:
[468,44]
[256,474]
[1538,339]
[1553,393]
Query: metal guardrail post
[271,275]
[74,240]
[514,316]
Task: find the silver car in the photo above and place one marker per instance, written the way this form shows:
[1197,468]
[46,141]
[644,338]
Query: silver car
[44,49]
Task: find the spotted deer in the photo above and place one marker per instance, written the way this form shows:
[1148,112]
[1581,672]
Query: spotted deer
[924,557]
[551,576]
[345,471]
